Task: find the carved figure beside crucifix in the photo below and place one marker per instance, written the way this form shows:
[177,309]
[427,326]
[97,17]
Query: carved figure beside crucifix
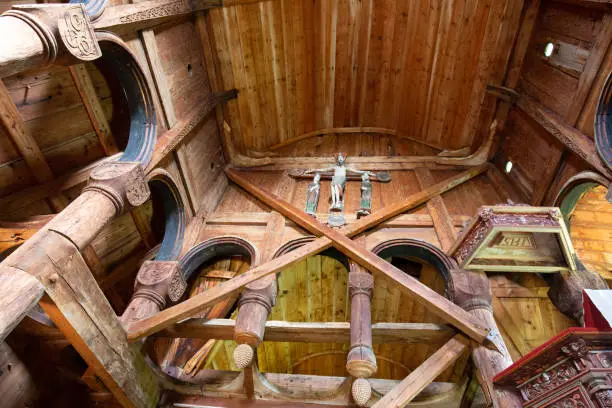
[312,198]
[366,196]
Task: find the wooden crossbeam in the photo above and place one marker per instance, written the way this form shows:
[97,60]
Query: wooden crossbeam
[572,138]
[424,374]
[424,295]
[188,308]
[169,141]
[308,332]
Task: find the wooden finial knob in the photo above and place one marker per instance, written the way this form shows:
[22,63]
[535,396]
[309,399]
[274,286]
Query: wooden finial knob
[362,391]
[243,356]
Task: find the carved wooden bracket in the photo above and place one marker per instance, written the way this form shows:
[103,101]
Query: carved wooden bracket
[156,282]
[64,30]
[124,183]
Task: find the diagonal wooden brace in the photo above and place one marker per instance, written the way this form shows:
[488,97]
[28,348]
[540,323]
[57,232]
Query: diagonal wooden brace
[192,306]
[430,299]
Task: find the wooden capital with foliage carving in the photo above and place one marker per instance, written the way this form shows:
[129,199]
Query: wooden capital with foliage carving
[123,183]
[156,282]
[255,305]
[361,361]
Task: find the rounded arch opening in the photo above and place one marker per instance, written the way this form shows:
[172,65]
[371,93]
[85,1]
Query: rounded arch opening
[421,251]
[587,212]
[603,123]
[168,220]
[121,70]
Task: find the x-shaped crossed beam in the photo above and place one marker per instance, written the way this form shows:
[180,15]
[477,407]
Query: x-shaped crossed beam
[340,239]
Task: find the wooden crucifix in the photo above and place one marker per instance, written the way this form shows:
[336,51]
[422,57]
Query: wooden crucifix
[339,175]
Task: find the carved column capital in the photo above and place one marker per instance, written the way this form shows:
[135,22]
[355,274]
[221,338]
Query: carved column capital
[156,282]
[262,292]
[124,183]
[470,289]
[360,282]
[64,30]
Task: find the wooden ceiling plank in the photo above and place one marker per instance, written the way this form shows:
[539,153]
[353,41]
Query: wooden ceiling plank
[430,299]
[82,81]
[188,308]
[590,70]
[313,332]
[423,375]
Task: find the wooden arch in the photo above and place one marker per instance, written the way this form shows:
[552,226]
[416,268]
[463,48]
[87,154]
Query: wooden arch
[123,64]
[218,246]
[298,242]
[165,192]
[414,248]
[603,123]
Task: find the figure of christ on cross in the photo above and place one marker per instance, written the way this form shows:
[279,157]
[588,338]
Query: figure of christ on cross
[338,183]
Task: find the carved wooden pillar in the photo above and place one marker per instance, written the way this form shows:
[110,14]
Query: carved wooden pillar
[471,290]
[36,35]
[361,361]
[255,305]
[566,290]
[156,282]
[73,299]
[258,298]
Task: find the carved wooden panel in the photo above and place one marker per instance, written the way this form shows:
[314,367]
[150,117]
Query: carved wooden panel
[515,238]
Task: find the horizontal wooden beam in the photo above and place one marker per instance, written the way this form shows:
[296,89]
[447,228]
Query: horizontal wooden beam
[30,195]
[195,304]
[148,14]
[430,299]
[424,374]
[170,140]
[572,138]
[306,332]
[260,219]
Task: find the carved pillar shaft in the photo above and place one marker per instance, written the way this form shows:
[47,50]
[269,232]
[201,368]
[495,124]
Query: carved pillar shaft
[471,290]
[21,48]
[255,305]
[361,361]
[156,282]
[35,35]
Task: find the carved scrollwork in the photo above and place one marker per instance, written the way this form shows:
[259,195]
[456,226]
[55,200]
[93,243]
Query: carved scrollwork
[122,182]
[77,34]
[360,283]
[548,380]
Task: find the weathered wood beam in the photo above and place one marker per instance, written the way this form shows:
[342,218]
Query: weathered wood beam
[18,200]
[169,141]
[172,315]
[424,295]
[25,143]
[82,81]
[22,48]
[571,137]
[308,332]
[20,293]
[424,374]
[148,14]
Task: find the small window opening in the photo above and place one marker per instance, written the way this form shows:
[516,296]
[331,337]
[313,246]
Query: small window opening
[189,69]
[549,49]
[508,167]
